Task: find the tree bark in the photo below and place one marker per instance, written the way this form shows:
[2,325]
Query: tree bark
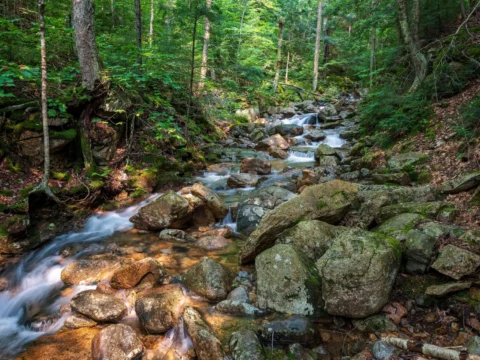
[83,22]
[241,28]
[373,41]
[152,18]
[410,37]
[206,40]
[279,55]
[463,9]
[112,11]
[318,37]
[43,55]
[138,16]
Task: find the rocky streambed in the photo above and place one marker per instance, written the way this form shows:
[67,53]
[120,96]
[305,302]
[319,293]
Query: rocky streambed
[297,242]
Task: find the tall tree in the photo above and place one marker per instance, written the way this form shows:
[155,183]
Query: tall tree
[138,28]
[206,40]
[279,55]
[318,36]
[152,18]
[43,56]
[410,36]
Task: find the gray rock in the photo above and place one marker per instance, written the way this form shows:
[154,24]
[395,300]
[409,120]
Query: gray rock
[315,135]
[403,161]
[130,275]
[462,183]
[375,324]
[98,306]
[245,345]
[445,289]
[358,272]
[159,309]
[396,194]
[455,262]
[428,209]
[116,342]
[324,150]
[287,281]
[383,351]
[435,229]
[90,271]
[288,330]
[172,235]
[402,222]
[288,130]
[77,321]
[211,199]
[328,161]
[473,346]
[256,166]
[237,308]
[400,178]
[242,180]
[209,279]
[419,249]
[298,352]
[239,294]
[472,238]
[273,141]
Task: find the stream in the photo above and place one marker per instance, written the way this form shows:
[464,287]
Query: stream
[31,304]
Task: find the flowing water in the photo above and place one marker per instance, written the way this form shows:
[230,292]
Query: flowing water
[30,306]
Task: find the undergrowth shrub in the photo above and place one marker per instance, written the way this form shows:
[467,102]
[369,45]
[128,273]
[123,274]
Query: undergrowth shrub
[469,120]
[390,115]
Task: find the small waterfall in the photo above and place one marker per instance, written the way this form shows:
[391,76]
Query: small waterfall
[228,220]
[300,156]
[175,345]
[303,119]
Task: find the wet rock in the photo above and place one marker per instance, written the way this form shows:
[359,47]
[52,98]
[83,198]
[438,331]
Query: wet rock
[297,352]
[314,237]
[172,235]
[315,135]
[211,199]
[237,308]
[256,166]
[209,279]
[214,242]
[402,222]
[160,309]
[206,344]
[258,203]
[90,271]
[404,161]
[358,272]
[324,150]
[350,134]
[99,307]
[277,153]
[288,130]
[287,281]
[288,330]
[328,161]
[130,275]
[455,262]
[239,294]
[116,342]
[445,289]
[168,211]
[273,141]
[242,180]
[396,194]
[328,202]
[245,345]
[428,209]
[462,183]
[395,178]
[375,324]
[77,321]
[419,249]
[12,229]
[383,351]
[327,110]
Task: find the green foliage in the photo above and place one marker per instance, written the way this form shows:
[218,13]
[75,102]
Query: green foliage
[469,124]
[391,115]
[102,175]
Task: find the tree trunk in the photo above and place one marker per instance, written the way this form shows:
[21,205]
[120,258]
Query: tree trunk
[43,55]
[112,11]
[206,40]
[241,29]
[318,37]
[83,22]
[463,9]
[138,16]
[279,55]
[152,18]
[326,45]
[192,56]
[286,67]
[419,60]
[372,54]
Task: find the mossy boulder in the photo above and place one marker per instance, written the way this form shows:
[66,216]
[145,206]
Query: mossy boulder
[287,281]
[400,178]
[314,237]
[472,238]
[400,223]
[462,183]
[376,324]
[406,160]
[419,249]
[328,202]
[358,273]
[245,345]
[455,262]
[445,289]
[324,150]
[369,161]
[428,209]
[396,194]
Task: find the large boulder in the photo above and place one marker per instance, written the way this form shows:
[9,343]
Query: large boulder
[288,130]
[273,141]
[358,273]
[256,166]
[205,343]
[429,209]
[404,161]
[91,270]
[288,330]
[214,203]
[315,135]
[287,281]
[462,183]
[130,275]
[117,342]
[159,309]
[242,180]
[314,237]
[98,306]
[400,223]
[168,211]
[277,153]
[245,345]
[209,279]
[455,262]
[399,178]
[328,202]
[324,150]
[258,203]
[396,194]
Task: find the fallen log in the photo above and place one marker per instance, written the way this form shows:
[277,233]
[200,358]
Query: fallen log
[430,350]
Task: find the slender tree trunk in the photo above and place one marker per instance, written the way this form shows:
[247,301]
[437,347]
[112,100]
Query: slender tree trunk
[241,28]
[419,60]
[192,56]
[138,16]
[286,67]
[318,37]
[279,55]
[112,11]
[206,40]
[463,9]
[373,41]
[83,22]
[43,55]
[152,18]
[326,45]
